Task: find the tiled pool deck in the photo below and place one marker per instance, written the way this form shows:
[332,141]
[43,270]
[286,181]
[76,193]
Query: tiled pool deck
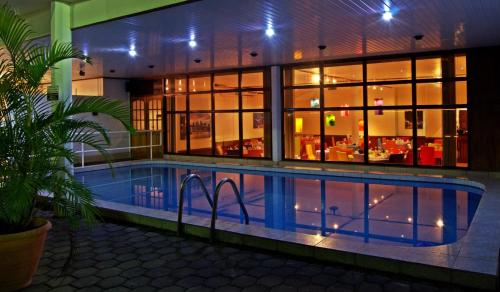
[472,261]
[117,257]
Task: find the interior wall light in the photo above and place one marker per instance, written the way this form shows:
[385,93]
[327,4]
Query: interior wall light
[298,125]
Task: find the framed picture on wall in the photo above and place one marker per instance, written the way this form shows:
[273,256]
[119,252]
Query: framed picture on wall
[258,120]
[409,120]
[200,125]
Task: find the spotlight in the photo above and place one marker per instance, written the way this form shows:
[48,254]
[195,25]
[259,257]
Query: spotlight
[270,32]
[322,47]
[387,16]
[254,54]
[418,37]
[132,52]
[192,43]
[197,61]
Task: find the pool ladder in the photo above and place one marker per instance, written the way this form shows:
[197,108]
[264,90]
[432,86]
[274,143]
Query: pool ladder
[213,204]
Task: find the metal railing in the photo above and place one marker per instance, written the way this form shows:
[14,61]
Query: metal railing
[213,204]
[184,183]
[125,144]
[216,200]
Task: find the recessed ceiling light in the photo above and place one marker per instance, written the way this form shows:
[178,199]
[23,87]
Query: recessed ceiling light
[270,32]
[418,37]
[321,47]
[151,66]
[197,61]
[112,71]
[387,16]
[192,43]
[132,52]
[254,54]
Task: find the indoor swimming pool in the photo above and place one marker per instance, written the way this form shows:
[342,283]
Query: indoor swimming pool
[384,211]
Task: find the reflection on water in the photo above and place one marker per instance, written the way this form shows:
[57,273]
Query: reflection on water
[388,212]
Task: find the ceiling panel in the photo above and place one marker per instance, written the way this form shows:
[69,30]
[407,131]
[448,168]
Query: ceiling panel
[227,31]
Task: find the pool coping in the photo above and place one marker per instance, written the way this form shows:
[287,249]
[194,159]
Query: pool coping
[472,261]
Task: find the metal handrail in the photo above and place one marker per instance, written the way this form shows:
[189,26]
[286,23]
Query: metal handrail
[216,199]
[184,183]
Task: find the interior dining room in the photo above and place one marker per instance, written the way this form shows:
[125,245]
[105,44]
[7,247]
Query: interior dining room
[398,111]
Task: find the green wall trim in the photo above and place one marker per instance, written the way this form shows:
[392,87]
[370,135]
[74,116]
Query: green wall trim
[96,11]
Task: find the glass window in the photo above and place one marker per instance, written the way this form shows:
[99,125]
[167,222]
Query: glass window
[388,71]
[429,68]
[252,80]
[302,76]
[227,137]
[180,102]
[390,94]
[226,101]
[395,109]
[460,66]
[252,99]
[343,96]
[180,85]
[197,84]
[138,120]
[302,98]
[344,136]
[226,82]
[200,101]
[461,92]
[429,93]
[302,135]
[442,137]
[390,136]
[204,112]
[255,125]
[200,133]
[155,108]
[179,133]
[343,74]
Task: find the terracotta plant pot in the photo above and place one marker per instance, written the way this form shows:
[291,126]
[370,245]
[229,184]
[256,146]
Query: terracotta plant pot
[20,254]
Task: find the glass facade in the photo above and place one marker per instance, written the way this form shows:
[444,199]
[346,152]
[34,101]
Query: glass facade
[219,114]
[408,111]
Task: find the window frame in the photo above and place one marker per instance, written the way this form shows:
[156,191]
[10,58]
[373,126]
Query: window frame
[266,109]
[366,107]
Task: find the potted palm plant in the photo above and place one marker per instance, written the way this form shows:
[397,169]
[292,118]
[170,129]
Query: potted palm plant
[34,153]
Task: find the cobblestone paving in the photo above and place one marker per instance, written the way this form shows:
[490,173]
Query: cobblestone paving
[115,257]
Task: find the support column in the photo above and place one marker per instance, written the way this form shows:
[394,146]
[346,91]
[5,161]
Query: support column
[276,112]
[60,31]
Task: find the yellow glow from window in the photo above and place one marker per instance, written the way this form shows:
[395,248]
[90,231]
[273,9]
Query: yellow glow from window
[316,78]
[298,125]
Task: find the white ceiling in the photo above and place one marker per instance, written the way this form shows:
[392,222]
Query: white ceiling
[226,31]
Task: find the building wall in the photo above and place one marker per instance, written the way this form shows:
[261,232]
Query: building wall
[483,69]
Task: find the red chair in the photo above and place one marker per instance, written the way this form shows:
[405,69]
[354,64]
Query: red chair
[427,155]
[409,157]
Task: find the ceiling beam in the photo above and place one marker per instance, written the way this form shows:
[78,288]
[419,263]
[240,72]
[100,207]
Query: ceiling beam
[95,11]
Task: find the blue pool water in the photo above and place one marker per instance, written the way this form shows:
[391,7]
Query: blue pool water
[381,211]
